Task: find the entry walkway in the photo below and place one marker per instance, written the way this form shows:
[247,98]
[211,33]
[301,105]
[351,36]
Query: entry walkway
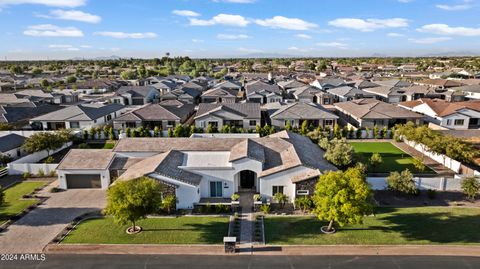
[247,219]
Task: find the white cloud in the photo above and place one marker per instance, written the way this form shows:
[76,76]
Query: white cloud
[294,48]
[122,35]
[86,46]
[72,15]
[395,35]
[249,50]
[186,13]
[280,22]
[49,30]
[445,29]
[236,1]
[304,36]
[429,40]
[194,40]
[368,25]
[337,45]
[221,19]
[232,37]
[466,5]
[52,3]
[63,47]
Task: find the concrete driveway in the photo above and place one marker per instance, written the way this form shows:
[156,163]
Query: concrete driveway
[36,229]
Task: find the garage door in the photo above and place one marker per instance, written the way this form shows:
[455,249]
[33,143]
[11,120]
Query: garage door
[83,181]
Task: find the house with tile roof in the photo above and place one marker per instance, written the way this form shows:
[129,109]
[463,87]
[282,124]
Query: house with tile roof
[203,170]
[82,116]
[453,116]
[164,116]
[262,92]
[136,95]
[240,115]
[296,113]
[367,113]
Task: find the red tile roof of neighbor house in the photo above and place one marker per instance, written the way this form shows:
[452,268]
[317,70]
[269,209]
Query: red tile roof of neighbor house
[443,108]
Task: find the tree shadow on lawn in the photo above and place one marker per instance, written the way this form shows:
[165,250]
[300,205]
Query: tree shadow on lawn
[211,232]
[435,227]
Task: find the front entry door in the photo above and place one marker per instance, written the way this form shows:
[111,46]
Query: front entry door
[247,179]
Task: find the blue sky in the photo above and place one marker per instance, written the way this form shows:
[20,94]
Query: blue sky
[62,29]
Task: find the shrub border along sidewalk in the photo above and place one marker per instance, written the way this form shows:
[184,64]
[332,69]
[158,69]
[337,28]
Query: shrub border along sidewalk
[31,196]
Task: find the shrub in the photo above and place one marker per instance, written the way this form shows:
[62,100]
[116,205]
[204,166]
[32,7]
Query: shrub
[402,182]
[169,203]
[471,187]
[235,197]
[41,173]
[280,198]
[53,173]
[358,133]
[26,175]
[55,189]
[83,146]
[304,203]
[431,194]
[257,197]
[49,159]
[265,208]
[220,208]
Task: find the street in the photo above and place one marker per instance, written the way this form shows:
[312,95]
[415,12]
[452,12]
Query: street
[244,261]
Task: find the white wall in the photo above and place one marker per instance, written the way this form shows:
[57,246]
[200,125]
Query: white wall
[187,194]
[37,156]
[282,179]
[32,168]
[423,183]
[449,163]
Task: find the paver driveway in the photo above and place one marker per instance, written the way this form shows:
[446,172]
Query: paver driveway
[33,232]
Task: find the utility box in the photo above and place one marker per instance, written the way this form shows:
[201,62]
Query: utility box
[230,243]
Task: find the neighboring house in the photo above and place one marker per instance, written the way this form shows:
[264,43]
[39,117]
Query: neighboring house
[11,146]
[263,93]
[366,113]
[77,117]
[347,93]
[19,115]
[221,95]
[440,83]
[136,95]
[155,115]
[297,113]
[387,94]
[456,116]
[164,86]
[328,83]
[290,84]
[97,86]
[471,92]
[392,83]
[45,97]
[203,170]
[415,92]
[306,94]
[240,115]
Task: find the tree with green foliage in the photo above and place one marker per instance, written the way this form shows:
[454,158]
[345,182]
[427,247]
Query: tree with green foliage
[169,203]
[288,126]
[127,75]
[211,129]
[156,131]
[132,200]
[44,83]
[337,132]
[179,131]
[471,187]
[304,203]
[44,141]
[358,133]
[226,129]
[304,127]
[419,165]
[342,198]
[376,160]
[71,79]
[376,132]
[339,152]
[402,182]
[128,132]
[170,132]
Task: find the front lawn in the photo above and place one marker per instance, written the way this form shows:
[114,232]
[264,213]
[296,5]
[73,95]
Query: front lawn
[14,203]
[394,159]
[390,226]
[181,230]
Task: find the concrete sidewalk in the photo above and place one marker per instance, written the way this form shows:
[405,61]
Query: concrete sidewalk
[301,250]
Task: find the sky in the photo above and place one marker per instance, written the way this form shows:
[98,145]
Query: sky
[65,29]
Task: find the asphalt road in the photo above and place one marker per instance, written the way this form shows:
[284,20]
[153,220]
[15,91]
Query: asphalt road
[244,261]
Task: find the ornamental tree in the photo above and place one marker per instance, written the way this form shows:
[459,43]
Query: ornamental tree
[339,152]
[44,141]
[471,187]
[342,197]
[132,200]
[402,182]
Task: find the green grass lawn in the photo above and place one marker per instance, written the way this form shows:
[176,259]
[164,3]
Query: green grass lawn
[181,230]
[390,226]
[394,159]
[14,203]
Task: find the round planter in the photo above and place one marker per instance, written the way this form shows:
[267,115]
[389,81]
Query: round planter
[137,230]
[324,230]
